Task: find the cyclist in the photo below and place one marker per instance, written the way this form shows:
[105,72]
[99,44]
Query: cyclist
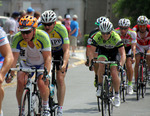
[91,35]
[6,59]
[128,37]
[60,48]
[109,43]
[34,48]
[143,42]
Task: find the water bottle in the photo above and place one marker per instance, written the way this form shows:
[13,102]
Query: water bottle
[52,90]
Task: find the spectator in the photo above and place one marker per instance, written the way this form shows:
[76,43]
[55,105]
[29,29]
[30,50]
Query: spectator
[30,11]
[67,23]
[59,20]
[11,25]
[37,16]
[74,33]
[22,13]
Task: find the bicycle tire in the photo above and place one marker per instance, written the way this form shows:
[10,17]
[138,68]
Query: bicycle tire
[37,104]
[123,88]
[139,82]
[25,103]
[98,103]
[104,99]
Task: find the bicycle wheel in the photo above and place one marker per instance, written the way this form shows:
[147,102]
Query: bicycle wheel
[139,82]
[145,79]
[104,98]
[98,103]
[37,103]
[25,103]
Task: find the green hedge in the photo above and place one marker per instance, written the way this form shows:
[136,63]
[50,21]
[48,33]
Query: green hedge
[86,36]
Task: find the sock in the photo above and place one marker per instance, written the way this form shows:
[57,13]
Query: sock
[116,94]
[60,109]
[45,104]
[130,83]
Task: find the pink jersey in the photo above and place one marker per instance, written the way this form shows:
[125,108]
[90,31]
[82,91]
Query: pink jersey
[130,37]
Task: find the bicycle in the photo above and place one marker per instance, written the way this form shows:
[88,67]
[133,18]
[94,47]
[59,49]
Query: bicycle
[31,101]
[106,90]
[123,84]
[142,76]
[53,86]
[124,80]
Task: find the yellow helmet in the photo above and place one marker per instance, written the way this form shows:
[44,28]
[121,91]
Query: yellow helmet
[27,22]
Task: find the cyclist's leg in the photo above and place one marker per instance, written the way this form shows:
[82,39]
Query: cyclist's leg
[137,60]
[116,84]
[101,69]
[60,79]
[148,61]
[44,91]
[129,74]
[21,82]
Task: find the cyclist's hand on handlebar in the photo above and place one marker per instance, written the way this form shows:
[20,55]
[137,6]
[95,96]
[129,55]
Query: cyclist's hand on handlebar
[9,78]
[46,79]
[91,66]
[133,60]
[63,68]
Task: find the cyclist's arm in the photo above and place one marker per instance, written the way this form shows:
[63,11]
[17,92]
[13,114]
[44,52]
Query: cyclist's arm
[65,56]
[47,60]
[5,50]
[122,55]
[15,55]
[133,47]
[91,53]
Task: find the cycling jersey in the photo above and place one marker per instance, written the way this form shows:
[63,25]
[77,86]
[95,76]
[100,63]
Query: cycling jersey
[32,56]
[142,43]
[91,35]
[108,47]
[3,41]
[129,38]
[136,28]
[58,37]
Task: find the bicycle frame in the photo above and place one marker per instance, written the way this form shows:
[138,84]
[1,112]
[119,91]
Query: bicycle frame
[31,89]
[106,95]
[52,103]
[141,80]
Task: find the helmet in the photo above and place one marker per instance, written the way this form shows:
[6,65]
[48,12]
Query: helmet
[106,27]
[27,22]
[48,16]
[100,20]
[124,22]
[142,20]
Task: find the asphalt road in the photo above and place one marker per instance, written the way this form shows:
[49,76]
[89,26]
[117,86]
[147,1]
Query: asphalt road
[80,99]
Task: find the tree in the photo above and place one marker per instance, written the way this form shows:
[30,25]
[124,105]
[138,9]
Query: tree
[0,3]
[131,9]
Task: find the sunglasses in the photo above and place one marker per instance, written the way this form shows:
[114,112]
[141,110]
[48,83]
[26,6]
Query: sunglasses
[123,28]
[142,26]
[47,24]
[26,32]
[107,33]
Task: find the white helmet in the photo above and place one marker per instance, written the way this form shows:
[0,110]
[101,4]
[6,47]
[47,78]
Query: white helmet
[48,16]
[106,26]
[100,20]
[142,20]
[124,22]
